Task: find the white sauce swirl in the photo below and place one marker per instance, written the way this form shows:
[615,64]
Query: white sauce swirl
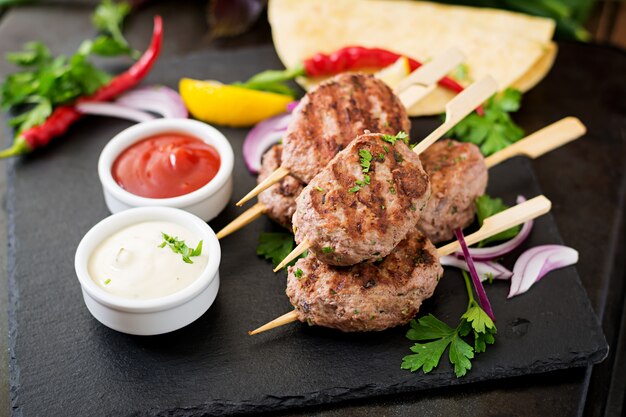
[131,264]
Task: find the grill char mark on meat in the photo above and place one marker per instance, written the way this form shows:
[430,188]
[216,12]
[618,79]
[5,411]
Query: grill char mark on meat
[344,227]
[334,113]
[366,297]
[458,175]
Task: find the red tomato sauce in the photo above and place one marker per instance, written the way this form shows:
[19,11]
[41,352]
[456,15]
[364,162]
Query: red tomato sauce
[166,165]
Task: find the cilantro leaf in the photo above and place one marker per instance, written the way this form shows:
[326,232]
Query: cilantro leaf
[486,207]
[276,246]
[495,130]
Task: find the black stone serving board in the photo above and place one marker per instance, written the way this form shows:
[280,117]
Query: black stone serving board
[64,362]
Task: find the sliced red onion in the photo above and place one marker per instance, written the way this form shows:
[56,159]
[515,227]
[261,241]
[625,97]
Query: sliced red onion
[292,106]
[157,99]
[485,270]
[480,290]
[536,262]
[114,110]
[261,137]
[492,252]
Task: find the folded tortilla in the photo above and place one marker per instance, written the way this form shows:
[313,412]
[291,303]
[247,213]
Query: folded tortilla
[514,48]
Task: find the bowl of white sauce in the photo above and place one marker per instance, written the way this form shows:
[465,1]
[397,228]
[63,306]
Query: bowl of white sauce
[149,270]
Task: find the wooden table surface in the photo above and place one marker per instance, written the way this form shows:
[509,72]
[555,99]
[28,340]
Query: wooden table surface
[595,391]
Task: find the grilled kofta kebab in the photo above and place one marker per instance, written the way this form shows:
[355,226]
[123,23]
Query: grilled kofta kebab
[378,296]
[450,168]
[364,202]
[330,116]
[280,198]
[367,296]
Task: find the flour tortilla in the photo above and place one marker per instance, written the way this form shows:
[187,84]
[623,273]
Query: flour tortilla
[514,48]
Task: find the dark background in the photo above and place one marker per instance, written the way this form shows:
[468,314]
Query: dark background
[586,181]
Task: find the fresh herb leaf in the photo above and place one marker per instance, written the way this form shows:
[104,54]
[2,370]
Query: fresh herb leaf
[486,207]
[108,18]
[439,336]
[403,136]
[328,249]
[180,247]
[298,273]
[495,130]
[320,189]
[366,159]
[276,246]
[354,189]
[46,82]
[108,281]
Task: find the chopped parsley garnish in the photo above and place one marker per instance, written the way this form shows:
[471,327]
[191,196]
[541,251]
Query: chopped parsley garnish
[386,148]
[403,136]
[320,189]
[364,182]
[381,156]
[354,189]
[328,249]
[413,207]
[486,207]
[439,336]
[392,190]
[495,130]
[398,157]
[107,281]
[366,159]
[179,246]
[298,273]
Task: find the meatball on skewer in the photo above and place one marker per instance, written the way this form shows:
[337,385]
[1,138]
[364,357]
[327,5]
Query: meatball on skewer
[378,296]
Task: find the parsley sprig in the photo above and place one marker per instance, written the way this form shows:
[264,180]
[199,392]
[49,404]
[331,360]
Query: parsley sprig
[495,130]
[403,136]
[439,336]
[179,246]
[276,246]
[46,81]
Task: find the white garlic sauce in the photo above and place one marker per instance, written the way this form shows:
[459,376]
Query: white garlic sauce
[131,264]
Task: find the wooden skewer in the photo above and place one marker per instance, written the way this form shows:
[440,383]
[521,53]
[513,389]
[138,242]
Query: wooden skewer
[493,225]
[244,219]
[280,321]
[502,221]
[456,110]
[542,141]
[298,250]
[459,107]
[416,86]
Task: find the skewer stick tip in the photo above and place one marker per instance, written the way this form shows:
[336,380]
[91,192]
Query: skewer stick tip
[299,250]
[272,179]
[280,321]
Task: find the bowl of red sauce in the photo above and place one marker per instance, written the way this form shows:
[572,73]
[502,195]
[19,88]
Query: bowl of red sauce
[178,163]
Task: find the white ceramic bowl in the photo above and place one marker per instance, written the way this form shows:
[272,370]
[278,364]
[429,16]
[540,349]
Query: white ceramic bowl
[206,202]
[158,315]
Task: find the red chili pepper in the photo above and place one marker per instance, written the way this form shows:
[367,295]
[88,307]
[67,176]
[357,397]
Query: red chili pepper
[64,116]
[353,58]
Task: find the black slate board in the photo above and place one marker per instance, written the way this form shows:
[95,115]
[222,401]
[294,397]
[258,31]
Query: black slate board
[63,362]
